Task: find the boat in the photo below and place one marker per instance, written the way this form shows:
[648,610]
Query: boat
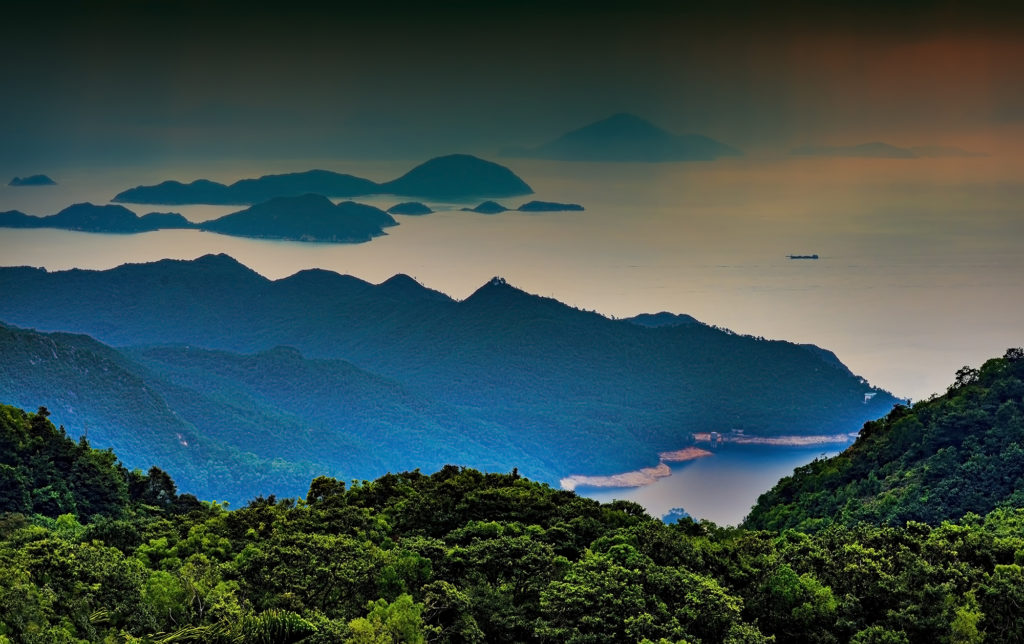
[815,256]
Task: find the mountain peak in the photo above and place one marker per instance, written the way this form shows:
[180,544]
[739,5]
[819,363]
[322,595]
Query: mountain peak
[625,137]
[403,286]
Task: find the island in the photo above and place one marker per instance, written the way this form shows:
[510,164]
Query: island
[626,138]
[548,206]
[34,180]
[456,176]
[487,208]
[410,208]
[92,218]
[309,218]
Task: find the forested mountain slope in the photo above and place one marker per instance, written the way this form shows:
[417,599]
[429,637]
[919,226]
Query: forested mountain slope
[101,554]
[940,459]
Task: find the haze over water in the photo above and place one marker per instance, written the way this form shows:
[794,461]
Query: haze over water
[919,271]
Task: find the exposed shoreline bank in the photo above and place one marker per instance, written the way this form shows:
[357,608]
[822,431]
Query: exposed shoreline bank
[636,478]
[648,475]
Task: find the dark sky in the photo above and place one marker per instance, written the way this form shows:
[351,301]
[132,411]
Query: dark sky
[114,82]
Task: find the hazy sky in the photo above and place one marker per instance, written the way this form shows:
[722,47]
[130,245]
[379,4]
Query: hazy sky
[109,82]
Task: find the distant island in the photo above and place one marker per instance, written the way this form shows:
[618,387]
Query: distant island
[311,218]
[96,219]
[487,208]
[34,180]
[626,138]
[548,206]
[493,207]
[410,208]
[880,150]
[456,176]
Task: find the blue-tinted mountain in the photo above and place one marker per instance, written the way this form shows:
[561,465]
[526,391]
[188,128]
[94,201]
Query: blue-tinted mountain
[626,138]
[178,193]
[457,176]
[232,426]
[579,392]
[304,218]
[93,390]
[34,180]
[321,182]
[410,208]
[548,206]
[487,208]
[96,219]
[250,191]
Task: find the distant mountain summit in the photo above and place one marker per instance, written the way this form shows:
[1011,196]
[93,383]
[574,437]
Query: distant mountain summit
[34,180]
[626,137]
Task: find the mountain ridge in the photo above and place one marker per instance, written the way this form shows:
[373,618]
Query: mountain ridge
[598,395]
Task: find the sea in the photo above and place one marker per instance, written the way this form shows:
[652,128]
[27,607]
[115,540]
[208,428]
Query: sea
[919,272]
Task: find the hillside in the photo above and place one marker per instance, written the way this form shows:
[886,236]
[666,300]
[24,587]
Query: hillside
[97,392]
[231,426]
[940,459]
[97,553]
[44,472]
[587,394]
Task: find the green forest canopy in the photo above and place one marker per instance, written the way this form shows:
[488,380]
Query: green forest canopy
[105,554]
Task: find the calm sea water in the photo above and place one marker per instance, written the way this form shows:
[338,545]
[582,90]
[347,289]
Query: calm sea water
[722,487]
[920,269]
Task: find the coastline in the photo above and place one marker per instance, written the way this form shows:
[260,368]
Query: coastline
[648,475]
[636,478]
[778,441]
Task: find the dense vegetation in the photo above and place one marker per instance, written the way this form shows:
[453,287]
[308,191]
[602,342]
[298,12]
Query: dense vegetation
[940,459]
[460,556]
[579,393]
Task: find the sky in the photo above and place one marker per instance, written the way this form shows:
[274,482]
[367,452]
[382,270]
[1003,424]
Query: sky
[114,82]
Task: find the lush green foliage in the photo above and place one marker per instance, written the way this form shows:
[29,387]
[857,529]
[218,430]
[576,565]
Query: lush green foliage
[940,459]
[461,556]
